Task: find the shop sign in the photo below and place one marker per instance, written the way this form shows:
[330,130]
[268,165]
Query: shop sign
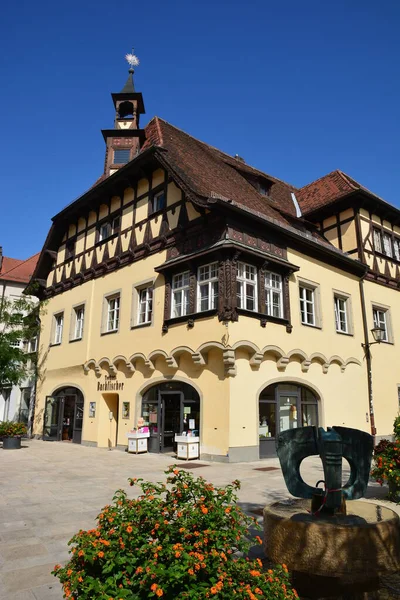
[110,384]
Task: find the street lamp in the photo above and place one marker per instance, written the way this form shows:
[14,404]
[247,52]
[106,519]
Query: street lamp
[378,334]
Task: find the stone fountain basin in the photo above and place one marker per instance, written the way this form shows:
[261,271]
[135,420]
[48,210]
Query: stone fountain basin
[362,544]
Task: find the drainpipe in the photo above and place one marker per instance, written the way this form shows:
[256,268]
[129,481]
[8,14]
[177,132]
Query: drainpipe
[368,357]
[32,402]
[2,389]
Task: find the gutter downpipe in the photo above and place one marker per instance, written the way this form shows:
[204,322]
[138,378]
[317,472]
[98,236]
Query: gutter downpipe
[368,357]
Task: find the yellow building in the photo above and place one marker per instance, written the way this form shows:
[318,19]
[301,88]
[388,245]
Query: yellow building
[185,288]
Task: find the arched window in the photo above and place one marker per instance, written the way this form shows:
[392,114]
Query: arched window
[284,406]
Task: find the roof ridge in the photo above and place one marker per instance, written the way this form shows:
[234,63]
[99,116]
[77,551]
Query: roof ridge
[346,177]
[224,153]
[320,178]
[160,135]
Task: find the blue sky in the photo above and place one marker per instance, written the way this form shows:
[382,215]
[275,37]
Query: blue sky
[296,88]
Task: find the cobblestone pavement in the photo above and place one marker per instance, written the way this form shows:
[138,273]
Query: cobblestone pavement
[49,490]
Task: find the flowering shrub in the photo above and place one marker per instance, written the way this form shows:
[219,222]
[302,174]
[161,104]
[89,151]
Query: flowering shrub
[182,539]
[387,460]
[11,429]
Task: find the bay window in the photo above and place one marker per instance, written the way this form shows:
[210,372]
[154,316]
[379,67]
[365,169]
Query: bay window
[207,287]
[273,294]
[246,287]
[180,294]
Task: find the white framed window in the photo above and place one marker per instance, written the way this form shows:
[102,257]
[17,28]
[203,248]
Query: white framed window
[158,202]
[273,294]
[180,294]
[381,320]
[378,241]
[15,344]
[396,248]
[145,305]
[307,305]
[78,320]
[32,345]
[108,228]
[113,307]
[342,318]
[246,286]
[387,244]
[207,287]
[58,328]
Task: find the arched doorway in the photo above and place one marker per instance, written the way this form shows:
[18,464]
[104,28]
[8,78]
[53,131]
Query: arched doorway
[63,416]
[284,406]
[168,409]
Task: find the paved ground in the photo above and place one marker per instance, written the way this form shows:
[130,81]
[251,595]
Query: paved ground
[50,490]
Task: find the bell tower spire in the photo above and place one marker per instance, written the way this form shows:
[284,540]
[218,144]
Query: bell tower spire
[125,140]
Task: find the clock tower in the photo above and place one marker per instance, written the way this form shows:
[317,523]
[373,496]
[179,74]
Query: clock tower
[125,140]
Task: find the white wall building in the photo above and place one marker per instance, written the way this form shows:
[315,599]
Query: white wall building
[15,274]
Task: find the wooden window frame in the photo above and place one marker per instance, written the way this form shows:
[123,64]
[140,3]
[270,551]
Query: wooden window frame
[73,322]
[346,298]
[385,310]
[209,282]
[104,317]
[316,302]
[54,340]
[135,313]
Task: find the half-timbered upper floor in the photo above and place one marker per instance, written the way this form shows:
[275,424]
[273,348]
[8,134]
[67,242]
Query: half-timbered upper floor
[356,221]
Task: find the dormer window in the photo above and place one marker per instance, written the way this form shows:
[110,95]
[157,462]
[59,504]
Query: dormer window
[121,156]
[108,229]
[264,188]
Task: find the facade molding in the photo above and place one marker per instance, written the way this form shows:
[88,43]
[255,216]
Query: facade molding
[228,354]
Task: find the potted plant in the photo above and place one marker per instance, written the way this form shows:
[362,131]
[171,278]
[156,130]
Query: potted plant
[386,467]
[183,539]
[11,434]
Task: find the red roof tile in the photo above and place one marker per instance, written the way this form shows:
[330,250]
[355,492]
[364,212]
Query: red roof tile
[212,173]
[20,271]
[327,190]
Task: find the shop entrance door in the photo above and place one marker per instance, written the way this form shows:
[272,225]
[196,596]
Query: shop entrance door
[172,419]
[63,418]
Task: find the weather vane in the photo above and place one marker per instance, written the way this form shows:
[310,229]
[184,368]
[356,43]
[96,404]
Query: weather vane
[132,59]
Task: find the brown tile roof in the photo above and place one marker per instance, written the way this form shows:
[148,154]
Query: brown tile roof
[19,271]
[327,190]
[212,173]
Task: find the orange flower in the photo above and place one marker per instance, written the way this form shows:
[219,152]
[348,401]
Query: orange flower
[177,554]
[80,579]
[129,529]
[159,592]
[190,571]
[69,572]
[153,587]
[181,530]
[204,510]
[228,510]
[259,540]
[214,590]
[139,570]
[157,525]
[175,471]
[57,567]
[81,553]
[100,554]
[259,562]
[255,573]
